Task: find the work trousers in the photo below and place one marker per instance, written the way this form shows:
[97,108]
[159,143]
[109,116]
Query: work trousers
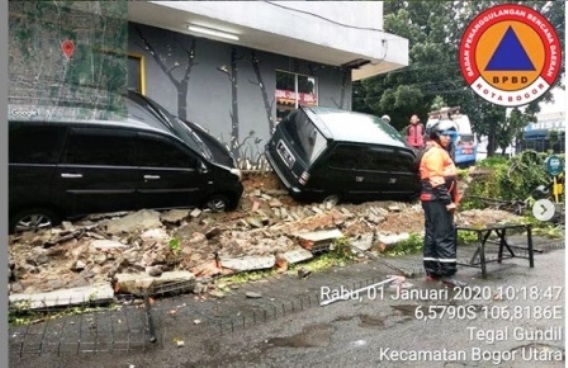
[440,240]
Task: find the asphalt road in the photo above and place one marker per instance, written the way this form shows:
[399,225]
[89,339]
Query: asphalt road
[381,331]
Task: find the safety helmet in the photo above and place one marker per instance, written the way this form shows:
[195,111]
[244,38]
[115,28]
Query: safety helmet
[386,118]
[442,126]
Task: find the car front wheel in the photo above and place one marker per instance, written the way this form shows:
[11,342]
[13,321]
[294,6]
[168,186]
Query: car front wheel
[218,203]
[34,220]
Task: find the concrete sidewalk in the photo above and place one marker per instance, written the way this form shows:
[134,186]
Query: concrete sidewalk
[232,330]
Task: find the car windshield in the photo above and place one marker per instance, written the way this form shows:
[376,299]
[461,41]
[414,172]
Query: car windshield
[171,122]
[306,138]
[467,138]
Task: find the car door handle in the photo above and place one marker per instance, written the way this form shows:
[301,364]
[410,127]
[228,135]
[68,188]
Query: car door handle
[71,176]
[359,178]
[151,177]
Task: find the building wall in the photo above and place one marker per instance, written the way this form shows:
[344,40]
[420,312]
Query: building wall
[227,89]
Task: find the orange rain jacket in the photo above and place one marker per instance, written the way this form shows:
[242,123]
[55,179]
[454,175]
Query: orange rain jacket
[438,175]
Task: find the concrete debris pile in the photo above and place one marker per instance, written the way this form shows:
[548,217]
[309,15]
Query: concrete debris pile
[147,249]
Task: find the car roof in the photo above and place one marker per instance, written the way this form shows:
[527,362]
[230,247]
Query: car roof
[78,115]
[356,127]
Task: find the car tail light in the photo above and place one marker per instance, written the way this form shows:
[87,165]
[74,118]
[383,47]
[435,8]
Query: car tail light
[304,178]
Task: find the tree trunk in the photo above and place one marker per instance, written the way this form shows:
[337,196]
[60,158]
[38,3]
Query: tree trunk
[267,105]
[182,99]
[491,141]
[235,106]
[344,74]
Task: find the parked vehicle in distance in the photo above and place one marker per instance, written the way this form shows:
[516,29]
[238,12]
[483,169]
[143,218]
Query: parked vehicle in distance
[323,153]
[465,144]
[70,168]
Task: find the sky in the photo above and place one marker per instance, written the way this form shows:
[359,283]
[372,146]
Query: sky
[560,102]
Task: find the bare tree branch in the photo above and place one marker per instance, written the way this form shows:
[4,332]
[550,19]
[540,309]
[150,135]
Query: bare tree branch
[240,145]
[172,68]
[335,103]
[254,83]
[223,69]
[267,107]
[148,46]
[190,56]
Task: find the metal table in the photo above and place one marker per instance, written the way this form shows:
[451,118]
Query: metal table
[478,260]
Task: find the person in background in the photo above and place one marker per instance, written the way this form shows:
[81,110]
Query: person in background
[415,133]
[439,196]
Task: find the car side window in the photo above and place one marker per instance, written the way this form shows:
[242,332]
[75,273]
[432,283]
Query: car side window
[377,159]
[35,144]
[404,162]
[346,157]
[100,147]
[156,151]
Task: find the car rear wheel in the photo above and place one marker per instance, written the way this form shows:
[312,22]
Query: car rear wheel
[218,203]
[414,198]
[334,199]
[34,220]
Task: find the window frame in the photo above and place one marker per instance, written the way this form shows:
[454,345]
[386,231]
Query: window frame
[342,146]
[172,142]
[71,132]
[57,152]
[296,102]
[383,152]
[142,67]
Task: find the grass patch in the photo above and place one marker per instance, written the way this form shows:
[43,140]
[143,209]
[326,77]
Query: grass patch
[322,263]
[412,245]
[415,243]
[244,277]
[21,316]
[340,254]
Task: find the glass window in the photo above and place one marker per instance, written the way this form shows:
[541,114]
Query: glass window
[404,162]
[101,147]
[285,81]
[33,144]
[159,152]
[135,74]
[306,84]
[346,157]
[378,159]
[305,137]
[293,90]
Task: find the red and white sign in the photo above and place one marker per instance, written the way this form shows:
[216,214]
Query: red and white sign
[285,97]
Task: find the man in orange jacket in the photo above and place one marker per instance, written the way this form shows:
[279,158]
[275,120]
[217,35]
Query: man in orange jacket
[439,196]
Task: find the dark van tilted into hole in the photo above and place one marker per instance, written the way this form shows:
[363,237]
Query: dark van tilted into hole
[64,168]
[322,153]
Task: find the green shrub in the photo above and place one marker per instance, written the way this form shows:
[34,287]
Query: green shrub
[509,179]
[493,161]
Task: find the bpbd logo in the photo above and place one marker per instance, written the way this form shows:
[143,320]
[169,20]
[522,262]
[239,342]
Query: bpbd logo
[510,55]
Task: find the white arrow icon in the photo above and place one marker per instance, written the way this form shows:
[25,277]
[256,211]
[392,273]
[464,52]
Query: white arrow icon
[543,210]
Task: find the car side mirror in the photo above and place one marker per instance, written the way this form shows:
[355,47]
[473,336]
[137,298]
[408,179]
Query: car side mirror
[202,168]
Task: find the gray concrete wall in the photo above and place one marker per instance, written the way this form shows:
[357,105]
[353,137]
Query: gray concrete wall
[208,87]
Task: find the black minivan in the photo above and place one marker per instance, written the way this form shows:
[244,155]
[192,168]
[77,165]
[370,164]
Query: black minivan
[330,154]
[65,168]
